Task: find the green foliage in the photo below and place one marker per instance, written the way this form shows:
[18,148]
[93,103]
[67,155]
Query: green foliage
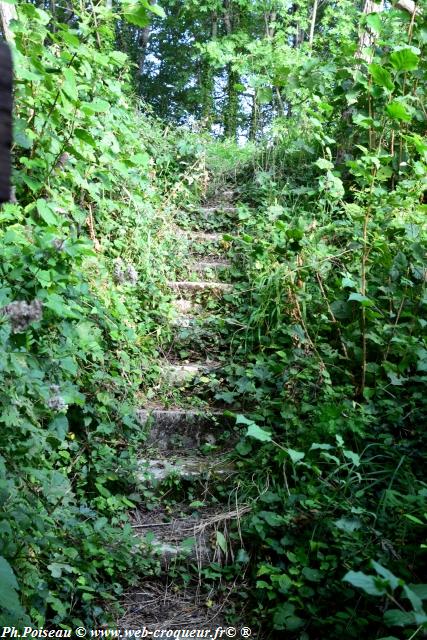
[82,293]
[329,358]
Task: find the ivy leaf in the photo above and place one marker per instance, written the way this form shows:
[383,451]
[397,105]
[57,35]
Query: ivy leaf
[381,76]
[404,59]
[398,111]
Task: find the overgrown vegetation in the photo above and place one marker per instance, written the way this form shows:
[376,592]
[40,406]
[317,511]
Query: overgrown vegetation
[326,347]
[96,184]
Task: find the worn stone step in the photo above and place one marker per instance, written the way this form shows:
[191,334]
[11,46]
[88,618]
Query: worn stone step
[189,537]
[183,306]
[187,467]
[208,265]
[200,285]
[183,321]
[181,374]
[201,236]
[171,429]
[218,208]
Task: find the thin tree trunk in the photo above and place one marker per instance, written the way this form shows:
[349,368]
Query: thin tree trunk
[7,14]
[207,76]
[143,39]
[367,37]
[253,129]
[313,23]
[232,106]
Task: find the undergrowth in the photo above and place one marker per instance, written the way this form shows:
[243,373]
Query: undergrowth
[85,246]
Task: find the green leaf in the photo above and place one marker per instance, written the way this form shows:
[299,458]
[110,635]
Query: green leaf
[271,518]
[7,577]
[96,106]
[398,111]
[404,59]
[348,524]
[365,582]
[322,163]
[358,297]
[136,15]
[398,618]
[156,9]
[381,76]
[373,20]
[413,598]
[295,456]
[254,431]
[420,590]
[69,85]
[393,580]
[45,212]
[352,456]
[82,134]
[221,541]
[8,589]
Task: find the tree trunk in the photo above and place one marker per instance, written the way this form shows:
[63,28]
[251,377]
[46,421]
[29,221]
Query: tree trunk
[232,107]
[7,13]
[231,110]
[144,37]
[367,37]
[313,23]
[253,129]
[407,5]
[207,79]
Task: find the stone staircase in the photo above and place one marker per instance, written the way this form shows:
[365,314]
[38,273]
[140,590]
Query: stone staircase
[189,446]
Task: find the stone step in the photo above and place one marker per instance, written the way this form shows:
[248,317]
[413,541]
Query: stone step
[208,265]
[201,236]
[183,306]
[187,537]
[218,208]
[187,467]
[169,429]
[181,374]
[183,321]
[200,285]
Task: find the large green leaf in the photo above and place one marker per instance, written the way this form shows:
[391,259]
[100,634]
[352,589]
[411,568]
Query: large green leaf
[9,600]
[381,76]
[398,111]
[404,59]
